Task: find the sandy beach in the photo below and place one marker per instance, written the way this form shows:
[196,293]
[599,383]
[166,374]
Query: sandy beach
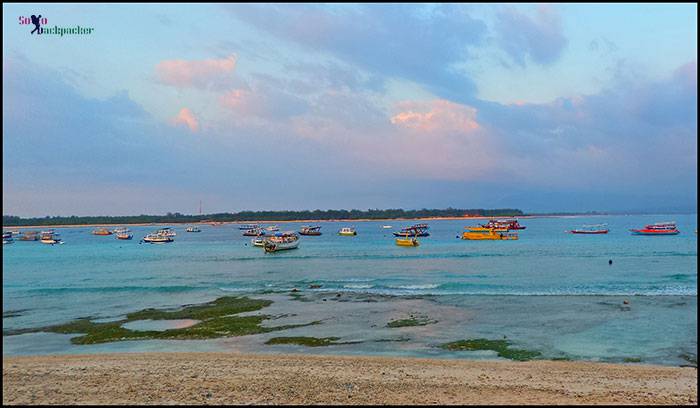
[227,378]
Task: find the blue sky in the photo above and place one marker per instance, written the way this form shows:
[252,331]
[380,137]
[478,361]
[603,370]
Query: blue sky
[569,107]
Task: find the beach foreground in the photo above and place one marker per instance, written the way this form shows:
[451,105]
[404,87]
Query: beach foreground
[229,378]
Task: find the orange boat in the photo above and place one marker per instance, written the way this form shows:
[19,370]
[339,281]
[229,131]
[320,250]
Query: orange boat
[101,231]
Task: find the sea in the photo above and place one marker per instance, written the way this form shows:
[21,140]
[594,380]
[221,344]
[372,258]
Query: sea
[549,291]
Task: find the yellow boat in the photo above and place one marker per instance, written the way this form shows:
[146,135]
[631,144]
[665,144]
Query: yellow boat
[488,234]
[484,229]
[407,242]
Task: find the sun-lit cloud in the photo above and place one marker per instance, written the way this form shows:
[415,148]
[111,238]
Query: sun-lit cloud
[187,118]
[437,115]
[201,74]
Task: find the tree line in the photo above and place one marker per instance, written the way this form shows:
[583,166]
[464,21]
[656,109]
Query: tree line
[172,218]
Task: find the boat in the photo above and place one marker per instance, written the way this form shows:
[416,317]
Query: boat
[417,230]
[486,229]
[591,229]
[489,234]
[255,232]
[120,230]
[347,231]
[29,236]
[309,230]
[193,229]
[504,223]
[387,227]
[124,235]
[407,242]
[101,231]
[7,238]
[272,228]
[281,242]
[659,228]
[167,231]
[49,238]
[157,238]
[248,226]
[259,241]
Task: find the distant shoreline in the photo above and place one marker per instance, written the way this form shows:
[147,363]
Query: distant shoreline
[296,221]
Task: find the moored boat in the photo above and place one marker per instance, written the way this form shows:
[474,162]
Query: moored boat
[310,230]
[272,228]
[167,231]
[124,235]
[29,236]
[281,242]
[49,238]
[101,231]
[512,224]
[254,232]
[157,238]
[591,229]
[411,242]
[659,228]
[488,234]
[258,242]
[193,229]
[248,226]
[347,231]
[417,230]
[120,230]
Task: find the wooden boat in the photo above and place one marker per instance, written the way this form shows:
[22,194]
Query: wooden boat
[101,231]
[50,239]
[124,235]
[281,242]
[387,227]
[591,229]
[505,223]
[412,242]
[167,231]
[193,229]
[258,242]
[29,236]
[347,231]
[659,228]
[157,238]
[248,226]
[490,234]
[485,229]
[272,228]
[417,230]
[120,230]
[255,232]
[309,230]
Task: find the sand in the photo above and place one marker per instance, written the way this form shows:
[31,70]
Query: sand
[229,378]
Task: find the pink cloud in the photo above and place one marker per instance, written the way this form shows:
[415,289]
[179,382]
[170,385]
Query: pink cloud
[187,118]
[198,74]
[436,116]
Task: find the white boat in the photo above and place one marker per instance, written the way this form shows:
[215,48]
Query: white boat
[258,242]
[50,239]
[120,230]
[167,232]
[347,231]
[248,226]
[281,242]
[157,238]
[387,226]
[193,229]
[272,228]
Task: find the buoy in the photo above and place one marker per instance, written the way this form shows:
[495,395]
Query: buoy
[609,261]
[626,302]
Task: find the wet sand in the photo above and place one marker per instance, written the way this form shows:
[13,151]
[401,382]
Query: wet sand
[228,378]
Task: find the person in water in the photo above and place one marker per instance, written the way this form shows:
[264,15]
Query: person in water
[37,23]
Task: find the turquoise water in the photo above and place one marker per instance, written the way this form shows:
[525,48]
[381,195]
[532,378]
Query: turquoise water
[549,290]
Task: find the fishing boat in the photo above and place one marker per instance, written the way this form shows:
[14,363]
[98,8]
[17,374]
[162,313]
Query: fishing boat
[272,228]
[248,226]
[167,232]
[310,230]
[512,224]
[101,231]
[281,242]
[120,230]
[7,238]
[387,227]
[486,229]
[591,229]
[29,236]
[255,232]
[49,238]
[157,238]
[490,235]
[659,228]
[258,242]
[193,229]
[417,230]
[411,242]
[347,231]
[124,235]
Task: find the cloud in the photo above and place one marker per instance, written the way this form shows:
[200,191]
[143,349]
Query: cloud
[540,38]
[437,115]
[202,74]
[187,118]
[263,101]
[424,43]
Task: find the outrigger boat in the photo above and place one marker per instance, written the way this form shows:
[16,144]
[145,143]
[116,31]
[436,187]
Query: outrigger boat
[124,235]
[157,238]
[504,223]
[418,230]
[255,232]
[309,230]
[489,234]
[101,231]
[591,229]
[659,228]
[347,231]
[281,241]
[193,229]
[49,238]
[29,236]
[248,226]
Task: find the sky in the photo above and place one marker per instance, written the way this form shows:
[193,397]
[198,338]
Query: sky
[554,107]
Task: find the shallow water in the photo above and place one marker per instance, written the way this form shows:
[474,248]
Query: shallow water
[549,291]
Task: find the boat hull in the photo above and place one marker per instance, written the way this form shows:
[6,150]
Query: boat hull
[655,232]
[407,242]
[406,234]
[276,247]
[495,236]
[589,232]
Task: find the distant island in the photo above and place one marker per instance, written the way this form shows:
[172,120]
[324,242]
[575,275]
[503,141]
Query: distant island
[247,216]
